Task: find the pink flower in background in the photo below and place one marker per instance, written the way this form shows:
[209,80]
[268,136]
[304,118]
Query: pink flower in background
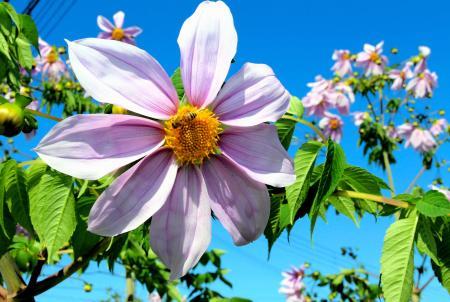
[343,65]
[292,285]
[439,126]
[392,132]
[319,99]
[420,139]
[154,297]
[444,191]
[421,65]
[400,76]
[371,59]
[342,96]
[179,175]
[331,125]
[116,31]
[360,117]
[49,62]
[423,84]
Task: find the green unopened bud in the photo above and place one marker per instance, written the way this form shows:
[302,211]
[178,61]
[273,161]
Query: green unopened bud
[394,51]
[415,59]
[442,112]
[11,119]
[118,110]
[87,287]
[61,50]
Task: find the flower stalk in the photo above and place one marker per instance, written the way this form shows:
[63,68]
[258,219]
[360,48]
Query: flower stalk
[45,115]
[308,124]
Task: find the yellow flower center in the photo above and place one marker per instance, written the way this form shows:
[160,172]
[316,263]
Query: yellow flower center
[334,124]
[52,56]
[192,134]
[374,57]
[346,56]
[118,34]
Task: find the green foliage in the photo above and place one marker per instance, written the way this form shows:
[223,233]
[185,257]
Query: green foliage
[296,107]
[329,179]
[397,260]
[442,267]
[53,211]
[285,129]
[279,220]
[178,83]
[345,206]
[82,239]
[433,204]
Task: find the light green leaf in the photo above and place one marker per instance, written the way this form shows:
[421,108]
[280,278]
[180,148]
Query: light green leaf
[296,107]
[11,12]
[345,206]
[4,46]
[25,54]
[29,30]
[53,211]
[442,271]
[10,229]
[16,194]
[331,175]
[285,129]
[304,163]
[178,83]
[426,243]
[362,180]
[433,204]
[397,260]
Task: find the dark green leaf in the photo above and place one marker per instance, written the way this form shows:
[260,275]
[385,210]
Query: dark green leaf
[345,206]
[82,239]
[426,243]
[285,129]
[178,83]
[29,30]
[25,54]
[433,204]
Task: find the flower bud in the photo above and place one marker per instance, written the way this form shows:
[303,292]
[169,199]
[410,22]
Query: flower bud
[442,112]
[394,51]
[87,287]
[11,119]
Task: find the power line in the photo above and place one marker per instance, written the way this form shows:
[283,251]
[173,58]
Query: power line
[30,7]
[42,9]
[62,16]
[49,15]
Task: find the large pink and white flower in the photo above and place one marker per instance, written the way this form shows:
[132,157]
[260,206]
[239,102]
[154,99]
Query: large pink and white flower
[332,124]
[423,84]
[343,64]
[420,139]
[371,59]
[49,62]
[439,126]
[400,76]
[214,152]
[116,31]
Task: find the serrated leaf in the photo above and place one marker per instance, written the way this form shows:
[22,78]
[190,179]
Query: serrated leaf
[362,180]
[177,82]
[345,206]
[426,243]
[329,180]
[433,204]
[29,31]
[82,239]
[397,260]
[296,107]
[12,13]
[279,219]
[53,211]
[24,52]
[285,130]
[304,163]
[4,46]
[442,271]
[16,194]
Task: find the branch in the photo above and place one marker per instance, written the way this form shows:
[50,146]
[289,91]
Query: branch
[37,270]
[48,116]
[426,284]
[387,166]
[3,294]
[308,124]
[372,197]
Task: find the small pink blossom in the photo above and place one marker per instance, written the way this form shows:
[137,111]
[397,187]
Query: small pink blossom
[371,59]
[359,117]
[342,96]
[439,126]
[319,99]
[443,190]
[292,285]
[421,65]
[343,65]
[420,139]
[116,31]
[400,76]
[392,132]
[49,62]
[423,84]
[332,124]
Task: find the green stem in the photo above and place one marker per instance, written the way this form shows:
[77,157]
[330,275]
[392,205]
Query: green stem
[12,277]
[45,115]
[130,286]
[308,124]
[387,166]
[372,197]
[416,178]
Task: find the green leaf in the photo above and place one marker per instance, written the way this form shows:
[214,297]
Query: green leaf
[25,54]
[178,83]
[442,271]
[304,164]
[397,260]
[82,239]
[285,129]
[4,46]
[22,101]
[433,204]
[362,180]
[16,194]
[296,107]
[29,30]
[12,13]
[279,219]
[331,175]
[10,229]
[345,206]
[53,211]
[426,243]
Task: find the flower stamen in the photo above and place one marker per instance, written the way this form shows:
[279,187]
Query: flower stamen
[117,34]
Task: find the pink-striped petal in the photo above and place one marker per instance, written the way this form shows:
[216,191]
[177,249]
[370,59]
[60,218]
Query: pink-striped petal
[181,231]
[104,24]
[208,43]
[258,151]
[132,31]
[119,17]
[134,196]
[241,204]
[104,35]
[122,74]
[89,146]
[251,97]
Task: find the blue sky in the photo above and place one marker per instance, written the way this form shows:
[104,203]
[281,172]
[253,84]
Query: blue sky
[296,38]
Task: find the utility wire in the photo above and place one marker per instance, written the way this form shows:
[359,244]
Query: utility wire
[42,10]
[30,7]
[68,8]
[50,14]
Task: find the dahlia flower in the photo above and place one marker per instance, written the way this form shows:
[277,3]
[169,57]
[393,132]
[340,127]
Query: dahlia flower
[400,76]
[343,65]
[342,96]
[423,84]
[319,99]
[420,139]
[421,65]
[292,285]
[212,151]
[116,31]
[359,117]
[332,124]
[439,126]
[49,62]
[371,59]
